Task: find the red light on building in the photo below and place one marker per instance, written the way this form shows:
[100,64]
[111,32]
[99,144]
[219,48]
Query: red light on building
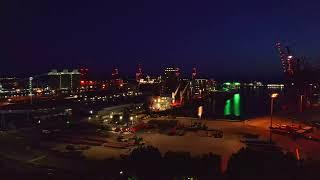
[139,73]
[177,72]
[84,73]
[194,73]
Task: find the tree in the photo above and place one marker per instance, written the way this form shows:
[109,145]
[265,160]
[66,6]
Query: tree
[253,164]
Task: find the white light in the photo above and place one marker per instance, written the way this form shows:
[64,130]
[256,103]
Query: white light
[91,112]
[121,117]
[131,118]
[39,122]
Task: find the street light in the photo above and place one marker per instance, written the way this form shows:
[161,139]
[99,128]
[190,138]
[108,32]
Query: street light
[200,111]
[131,118]
[272,97]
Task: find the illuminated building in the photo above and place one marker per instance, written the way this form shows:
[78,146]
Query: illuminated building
[149,80]
[275,86]
[211,85]
[90,85]
[194,73]
[84,73]
[254,85]
[10,83]
[170,80]
[150,85]
[116,81]
[68,80]
[200,87]
[139,74]
[87,84]
[11,87]
[160,103]
[228,86]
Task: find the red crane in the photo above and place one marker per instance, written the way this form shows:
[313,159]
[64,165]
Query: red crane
[287,60]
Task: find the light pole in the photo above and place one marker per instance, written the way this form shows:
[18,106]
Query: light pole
[272,97]
[301,98]
[131,118]
[200,111]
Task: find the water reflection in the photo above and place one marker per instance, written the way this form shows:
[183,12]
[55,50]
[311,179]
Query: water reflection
[241,104]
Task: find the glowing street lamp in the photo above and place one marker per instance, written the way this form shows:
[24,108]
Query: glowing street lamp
[200,111]
[131,119]
[272,97]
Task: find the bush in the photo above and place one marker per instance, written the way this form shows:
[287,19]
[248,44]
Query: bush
[146,162]
[252,164]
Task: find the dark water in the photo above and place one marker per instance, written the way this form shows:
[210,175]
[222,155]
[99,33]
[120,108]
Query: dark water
[241,104]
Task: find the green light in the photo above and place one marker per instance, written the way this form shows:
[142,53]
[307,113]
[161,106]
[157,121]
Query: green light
[227,108]
[236,105]
[227,83]
[225,89]
[237,84]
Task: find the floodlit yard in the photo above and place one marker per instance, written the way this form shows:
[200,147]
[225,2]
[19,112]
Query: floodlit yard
[195,142]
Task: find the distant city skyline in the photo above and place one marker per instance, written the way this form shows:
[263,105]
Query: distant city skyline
[107,74]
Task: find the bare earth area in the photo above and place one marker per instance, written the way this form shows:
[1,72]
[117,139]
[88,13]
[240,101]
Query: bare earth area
[194,142]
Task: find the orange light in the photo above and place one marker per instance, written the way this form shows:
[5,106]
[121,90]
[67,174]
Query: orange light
[200,110]
[274,95]
[297,154]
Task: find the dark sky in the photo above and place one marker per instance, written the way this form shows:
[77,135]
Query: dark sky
[221,38]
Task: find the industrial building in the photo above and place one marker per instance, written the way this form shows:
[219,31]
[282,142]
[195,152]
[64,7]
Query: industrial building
[55,80]
[170,80]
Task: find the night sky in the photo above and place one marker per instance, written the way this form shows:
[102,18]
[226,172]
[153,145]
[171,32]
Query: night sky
[225,39]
